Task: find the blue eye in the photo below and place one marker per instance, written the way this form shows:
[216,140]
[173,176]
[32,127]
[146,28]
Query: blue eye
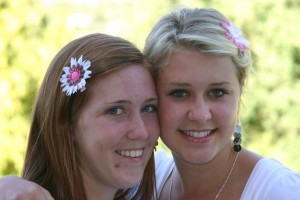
[178,93]
[218,92]
[115,111]
[149,109]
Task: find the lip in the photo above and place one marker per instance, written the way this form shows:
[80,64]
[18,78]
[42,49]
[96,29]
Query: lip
[197,136]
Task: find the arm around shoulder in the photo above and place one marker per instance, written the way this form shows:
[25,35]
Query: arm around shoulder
[15,188]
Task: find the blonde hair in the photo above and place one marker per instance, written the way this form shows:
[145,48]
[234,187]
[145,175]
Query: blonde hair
[197,29]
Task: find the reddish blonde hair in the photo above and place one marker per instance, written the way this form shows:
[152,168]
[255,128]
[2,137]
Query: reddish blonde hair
[51,158]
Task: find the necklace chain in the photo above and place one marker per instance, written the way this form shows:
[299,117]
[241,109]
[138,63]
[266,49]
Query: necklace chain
[218,194]
[228,176]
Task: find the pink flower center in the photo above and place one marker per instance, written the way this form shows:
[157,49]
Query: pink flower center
[74,75]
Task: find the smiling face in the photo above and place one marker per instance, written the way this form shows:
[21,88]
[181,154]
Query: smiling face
[198,107]
[117,129]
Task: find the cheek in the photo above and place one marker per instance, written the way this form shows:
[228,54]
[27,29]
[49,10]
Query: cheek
[170,109]
[224,112]
[228,112]
[152,126]
[112,126]
[170,115]
[164,110]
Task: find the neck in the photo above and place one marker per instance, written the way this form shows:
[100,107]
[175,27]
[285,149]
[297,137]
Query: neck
[190,180]
[103,195]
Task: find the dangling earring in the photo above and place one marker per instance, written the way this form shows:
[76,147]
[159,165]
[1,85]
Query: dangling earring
[237,138]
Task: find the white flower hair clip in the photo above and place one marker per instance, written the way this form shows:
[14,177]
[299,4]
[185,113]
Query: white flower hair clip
[74,77]
[235,35]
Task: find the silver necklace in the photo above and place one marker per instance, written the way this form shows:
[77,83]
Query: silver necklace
[218,194]
[228,176]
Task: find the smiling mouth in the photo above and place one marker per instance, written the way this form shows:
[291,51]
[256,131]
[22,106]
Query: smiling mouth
[196,134]
[131,153]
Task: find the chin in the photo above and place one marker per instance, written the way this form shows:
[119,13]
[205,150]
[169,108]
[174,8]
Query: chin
[197,157]
[130,183]
[130,180]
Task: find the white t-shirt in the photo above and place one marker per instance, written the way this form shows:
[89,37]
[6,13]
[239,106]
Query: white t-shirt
[269,180]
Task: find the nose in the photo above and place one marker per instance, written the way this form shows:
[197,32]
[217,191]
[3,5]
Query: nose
[137,130]
[199,111]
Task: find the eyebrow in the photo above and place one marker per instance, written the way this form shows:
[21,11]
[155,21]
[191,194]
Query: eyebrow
[120,102]
[221,83]
[129,102]
[179,84]
[151,100]
[184,84]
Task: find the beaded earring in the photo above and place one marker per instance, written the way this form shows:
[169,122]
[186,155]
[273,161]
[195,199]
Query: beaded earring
[237,138]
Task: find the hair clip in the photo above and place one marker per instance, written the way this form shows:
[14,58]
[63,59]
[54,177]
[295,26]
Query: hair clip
[235,35]
[75,76]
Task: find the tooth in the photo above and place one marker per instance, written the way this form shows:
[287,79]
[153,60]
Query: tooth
[196,134]
[133,153]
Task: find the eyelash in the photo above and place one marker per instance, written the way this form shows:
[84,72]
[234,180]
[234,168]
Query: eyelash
[216,93]
[110,111]
[175,93]
[154,108]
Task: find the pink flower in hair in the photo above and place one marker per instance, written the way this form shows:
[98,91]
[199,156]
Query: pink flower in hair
[74,77]
[235,35]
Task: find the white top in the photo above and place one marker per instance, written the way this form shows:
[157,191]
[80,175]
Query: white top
[269,180]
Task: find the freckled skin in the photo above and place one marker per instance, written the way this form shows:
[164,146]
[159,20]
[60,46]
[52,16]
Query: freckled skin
[111,122]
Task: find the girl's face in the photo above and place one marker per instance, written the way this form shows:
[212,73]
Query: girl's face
[117,130]
[198,105]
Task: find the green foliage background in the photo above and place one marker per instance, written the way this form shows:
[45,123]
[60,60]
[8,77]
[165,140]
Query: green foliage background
[32,31]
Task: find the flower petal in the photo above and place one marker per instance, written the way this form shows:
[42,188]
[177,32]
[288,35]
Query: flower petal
[71,87]
[235,35]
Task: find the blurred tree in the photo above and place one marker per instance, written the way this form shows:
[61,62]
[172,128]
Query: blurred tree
[26,46]
[272,105]
[33,31]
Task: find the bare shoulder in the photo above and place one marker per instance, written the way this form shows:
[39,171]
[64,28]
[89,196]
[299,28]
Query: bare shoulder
[248,159]
[244,167]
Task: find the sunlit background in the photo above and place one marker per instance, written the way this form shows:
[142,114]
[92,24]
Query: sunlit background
[32,32]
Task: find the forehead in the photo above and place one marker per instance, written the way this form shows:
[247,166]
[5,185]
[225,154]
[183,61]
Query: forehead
[190,63]
[124,82]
